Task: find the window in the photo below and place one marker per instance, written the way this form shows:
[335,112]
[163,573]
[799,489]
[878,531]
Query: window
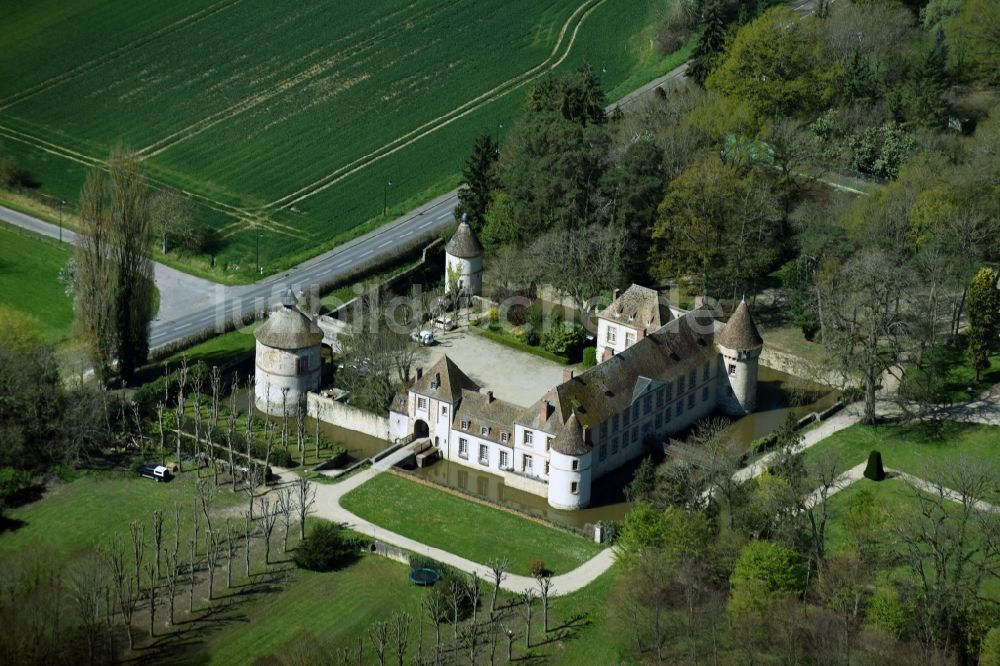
[704,374]
[301,365]
[504,436]
[421,403]
[635,435]
[575,465]
[527,465]
[463,447]
[465,424]
[574,487]
[614,423]
[635,412]
[626,416]
[670,392]
[444,410]
[484,431]
[659,419]
[690,400]
[680,407]
[732,370]
[484,454]
[693,378]
[602,452]
[680,385]
[614,445]
[647,404]
[546,468]
[529,437]
[612,333]
[604,430]
[548,443]
[629,339]
[659,398]
[504,460]
[704,394]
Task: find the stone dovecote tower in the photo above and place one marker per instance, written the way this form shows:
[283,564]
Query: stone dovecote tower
[463,261]
[739,346]
[288,357]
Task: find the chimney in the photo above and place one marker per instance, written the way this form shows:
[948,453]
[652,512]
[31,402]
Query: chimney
[420,373]
[489,396]
[642,334]
[614,294]
[567,375]
[544,415]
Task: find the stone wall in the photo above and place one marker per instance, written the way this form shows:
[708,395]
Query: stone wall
[799,367]
[345,416]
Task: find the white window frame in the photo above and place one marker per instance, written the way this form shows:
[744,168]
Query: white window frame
[421,403]
[484,460]
[504,460]
[612,334]
[463,447]
[529,438]
[527,464]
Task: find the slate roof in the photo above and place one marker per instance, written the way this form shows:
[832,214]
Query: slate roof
[495,414]
[740,332]
[444,381]
[289,328]
[571,440]
[464,243]
[638,307]
[611,386]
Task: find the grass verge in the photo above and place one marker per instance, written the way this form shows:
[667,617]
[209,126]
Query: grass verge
[465,528]
[29,280]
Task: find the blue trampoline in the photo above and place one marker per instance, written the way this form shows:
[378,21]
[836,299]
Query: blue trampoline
[424,577]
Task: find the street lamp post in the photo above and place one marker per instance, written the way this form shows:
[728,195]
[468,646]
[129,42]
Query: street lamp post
[258,250]
[385,197]
[62,202]
[499,127]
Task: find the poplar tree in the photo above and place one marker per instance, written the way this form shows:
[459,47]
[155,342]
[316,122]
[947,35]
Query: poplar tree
[984,319]
[479,179]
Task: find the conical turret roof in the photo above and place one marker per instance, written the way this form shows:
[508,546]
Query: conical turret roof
[464,243]
[288,328]
[740,332]
[571,440]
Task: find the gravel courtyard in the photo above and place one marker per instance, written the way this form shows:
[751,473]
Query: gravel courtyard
[512,375]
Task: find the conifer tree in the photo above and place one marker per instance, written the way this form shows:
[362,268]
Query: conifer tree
[710,44]
[984,319]
[479,180]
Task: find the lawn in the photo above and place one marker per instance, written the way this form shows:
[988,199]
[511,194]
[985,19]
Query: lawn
[295,118]
[912,448]
[29,281]
[463,527]
[85,512]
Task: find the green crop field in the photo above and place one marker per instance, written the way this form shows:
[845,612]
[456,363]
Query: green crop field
[293,118]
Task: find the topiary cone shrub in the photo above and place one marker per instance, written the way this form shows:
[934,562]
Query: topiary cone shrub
[874,469]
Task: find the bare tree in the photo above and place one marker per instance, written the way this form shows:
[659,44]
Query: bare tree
[286,505]
[212,555]
[123,584]
[300,427]
[544,580]
[182,378]
[136,530]
[492,633]
[527,602]
[434,606]
[172,573]
[151,577]
[177,528]
[196,516]
[247,533]
[87,579]
[470,639]
[157,540]
[206,496]
[284,418]
[578,264]
[378,635]
[192,549]
[254,472]
[215,380]
[231,430]
[230,553]
[401,633]
[268,519]
[474,592]
[163,442]
[498,569]
[511,636]
[199,382]
[305,499]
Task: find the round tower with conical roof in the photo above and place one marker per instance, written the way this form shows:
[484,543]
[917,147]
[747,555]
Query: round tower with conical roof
[570,467]
[289,362]
[463,261]
[739,346]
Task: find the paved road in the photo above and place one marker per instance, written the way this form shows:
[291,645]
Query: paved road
[190,305]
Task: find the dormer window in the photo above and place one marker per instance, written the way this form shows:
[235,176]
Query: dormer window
[484,431]
[504,436]
[465,425]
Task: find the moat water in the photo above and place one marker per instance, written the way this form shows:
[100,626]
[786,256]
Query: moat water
[778,394]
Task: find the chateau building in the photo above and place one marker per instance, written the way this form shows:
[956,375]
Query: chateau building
[659,374]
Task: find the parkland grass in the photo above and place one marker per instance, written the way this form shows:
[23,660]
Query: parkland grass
[465,528]
[294,119]
[29,281]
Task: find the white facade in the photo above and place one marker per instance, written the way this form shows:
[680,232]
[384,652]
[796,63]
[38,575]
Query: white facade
[292,371]
[614,338]
[464,273]
[569,481]
[738,388]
